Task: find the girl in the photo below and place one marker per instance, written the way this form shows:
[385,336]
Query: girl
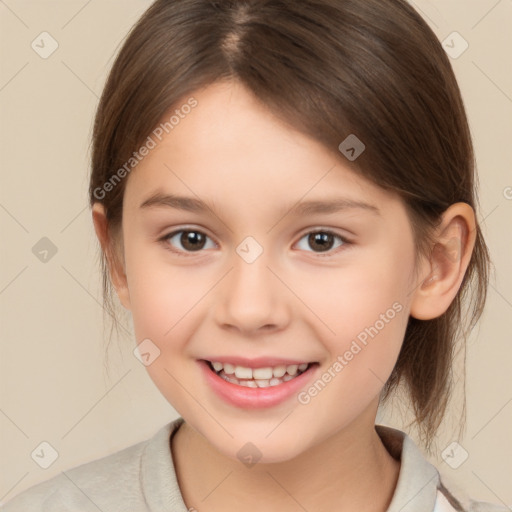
[284,194]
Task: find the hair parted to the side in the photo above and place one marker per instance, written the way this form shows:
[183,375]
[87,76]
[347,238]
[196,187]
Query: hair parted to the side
[329,68]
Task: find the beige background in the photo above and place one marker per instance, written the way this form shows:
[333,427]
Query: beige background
[53,382]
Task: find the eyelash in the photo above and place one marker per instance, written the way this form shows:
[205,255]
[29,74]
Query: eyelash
[183,253]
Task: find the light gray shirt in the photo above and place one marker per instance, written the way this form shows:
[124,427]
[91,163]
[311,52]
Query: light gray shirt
[142,478]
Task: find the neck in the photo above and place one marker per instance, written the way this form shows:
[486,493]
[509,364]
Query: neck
[351,470]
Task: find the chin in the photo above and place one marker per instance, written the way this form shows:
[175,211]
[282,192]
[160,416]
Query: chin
[260,447]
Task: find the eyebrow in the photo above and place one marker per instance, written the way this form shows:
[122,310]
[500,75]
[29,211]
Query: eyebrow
[303,208]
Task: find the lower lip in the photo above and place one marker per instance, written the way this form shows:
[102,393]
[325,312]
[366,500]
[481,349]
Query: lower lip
[255,398]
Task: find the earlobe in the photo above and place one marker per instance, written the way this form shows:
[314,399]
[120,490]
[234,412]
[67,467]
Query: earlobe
[111,252]
[448,263]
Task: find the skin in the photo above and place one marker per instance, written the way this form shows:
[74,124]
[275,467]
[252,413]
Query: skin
[292,301]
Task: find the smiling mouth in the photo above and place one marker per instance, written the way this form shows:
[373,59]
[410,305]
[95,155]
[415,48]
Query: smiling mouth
[258,377]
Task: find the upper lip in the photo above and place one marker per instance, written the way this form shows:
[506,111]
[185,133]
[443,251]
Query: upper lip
[257,362]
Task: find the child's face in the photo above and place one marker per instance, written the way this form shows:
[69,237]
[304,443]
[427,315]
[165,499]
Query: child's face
[303,299]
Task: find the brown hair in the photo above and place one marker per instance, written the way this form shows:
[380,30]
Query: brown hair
[329,68]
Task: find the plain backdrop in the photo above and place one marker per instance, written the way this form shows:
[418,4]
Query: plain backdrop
[54,383]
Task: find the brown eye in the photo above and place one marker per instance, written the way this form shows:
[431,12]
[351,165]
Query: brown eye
[323,241]
[192,240]
[189,240]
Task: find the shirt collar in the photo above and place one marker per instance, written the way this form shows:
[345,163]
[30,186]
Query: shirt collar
[418,480]
[416,488]
[158,477]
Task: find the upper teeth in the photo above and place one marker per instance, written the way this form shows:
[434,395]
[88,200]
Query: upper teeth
[242,372]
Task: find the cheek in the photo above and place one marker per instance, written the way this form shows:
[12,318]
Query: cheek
[365,305]
[162,296]
[361,358]
[366,289]
[165,300]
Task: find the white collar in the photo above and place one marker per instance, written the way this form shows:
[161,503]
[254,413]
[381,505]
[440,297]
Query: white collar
[416,490]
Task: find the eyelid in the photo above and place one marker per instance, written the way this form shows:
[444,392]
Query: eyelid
[326,229]
[164,239]
[346,241]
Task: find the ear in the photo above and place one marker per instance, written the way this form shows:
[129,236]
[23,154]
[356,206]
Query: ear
[112,254]
[450,257]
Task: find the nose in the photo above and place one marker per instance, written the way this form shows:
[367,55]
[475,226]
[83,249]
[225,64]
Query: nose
[251,298]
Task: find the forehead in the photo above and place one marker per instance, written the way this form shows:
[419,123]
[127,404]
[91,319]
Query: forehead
[231,148]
